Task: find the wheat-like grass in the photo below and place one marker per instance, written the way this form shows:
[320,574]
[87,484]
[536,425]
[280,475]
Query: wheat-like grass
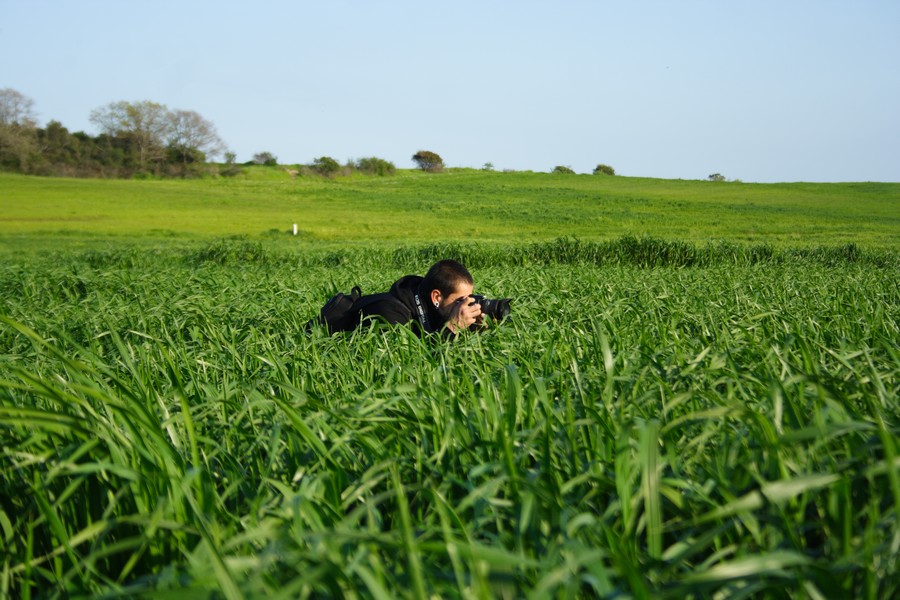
[641,429]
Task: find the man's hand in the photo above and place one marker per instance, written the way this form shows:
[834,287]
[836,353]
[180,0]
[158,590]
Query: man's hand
[465,314]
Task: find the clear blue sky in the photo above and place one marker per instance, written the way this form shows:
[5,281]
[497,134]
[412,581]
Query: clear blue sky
[762,91]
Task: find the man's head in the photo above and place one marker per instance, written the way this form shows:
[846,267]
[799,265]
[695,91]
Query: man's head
[445,284]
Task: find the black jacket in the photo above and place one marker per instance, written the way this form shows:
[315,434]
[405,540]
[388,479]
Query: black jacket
[404,303]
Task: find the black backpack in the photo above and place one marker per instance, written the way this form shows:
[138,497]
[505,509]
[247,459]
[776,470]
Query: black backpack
[338,313]
[344,312]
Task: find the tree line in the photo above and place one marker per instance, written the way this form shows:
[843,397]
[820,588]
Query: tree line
[149,139]
[136,138]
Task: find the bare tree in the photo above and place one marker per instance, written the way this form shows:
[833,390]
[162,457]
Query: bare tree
[146,124]
[190,133]
[18,143]
[16,108]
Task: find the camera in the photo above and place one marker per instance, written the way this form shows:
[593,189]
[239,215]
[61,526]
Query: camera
[497,309]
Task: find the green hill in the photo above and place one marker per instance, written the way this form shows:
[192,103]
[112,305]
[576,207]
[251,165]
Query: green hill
[457,205]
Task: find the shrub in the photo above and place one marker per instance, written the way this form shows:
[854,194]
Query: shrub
[562,170]
[604,170]
[325,166]
[184,155]
[230,168]
[716,177]
[265,158]
[428,161]
[375,166]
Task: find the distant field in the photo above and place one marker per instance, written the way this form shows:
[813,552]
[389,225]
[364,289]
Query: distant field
[414,207]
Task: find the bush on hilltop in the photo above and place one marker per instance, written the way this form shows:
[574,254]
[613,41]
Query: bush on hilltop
[428,161]
[375,166]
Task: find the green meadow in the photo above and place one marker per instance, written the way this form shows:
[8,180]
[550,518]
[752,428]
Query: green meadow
[416,207]
[697,394]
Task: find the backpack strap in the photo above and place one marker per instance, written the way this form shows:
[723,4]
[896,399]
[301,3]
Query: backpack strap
[421,314]
[337,314]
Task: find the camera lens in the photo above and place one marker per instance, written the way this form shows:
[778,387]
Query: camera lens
[496,309]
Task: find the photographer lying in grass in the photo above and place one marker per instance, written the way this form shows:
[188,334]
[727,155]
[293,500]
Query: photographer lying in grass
[441,302]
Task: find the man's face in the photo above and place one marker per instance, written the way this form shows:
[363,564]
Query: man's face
[462,291]
[446,304]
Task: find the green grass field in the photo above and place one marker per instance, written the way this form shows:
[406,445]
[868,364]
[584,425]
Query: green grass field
[415,207]
[700,400]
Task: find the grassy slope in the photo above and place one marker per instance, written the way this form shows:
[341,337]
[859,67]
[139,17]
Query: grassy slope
[456,205]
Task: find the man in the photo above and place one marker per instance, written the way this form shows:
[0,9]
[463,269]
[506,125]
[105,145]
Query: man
[439,302]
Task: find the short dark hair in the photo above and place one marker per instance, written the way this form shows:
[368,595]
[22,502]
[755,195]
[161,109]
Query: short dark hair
[445,276]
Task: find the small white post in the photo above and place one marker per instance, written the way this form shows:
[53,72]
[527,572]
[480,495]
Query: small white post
[295,229]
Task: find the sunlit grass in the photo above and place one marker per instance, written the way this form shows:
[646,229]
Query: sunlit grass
[641,427]
[415,207]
